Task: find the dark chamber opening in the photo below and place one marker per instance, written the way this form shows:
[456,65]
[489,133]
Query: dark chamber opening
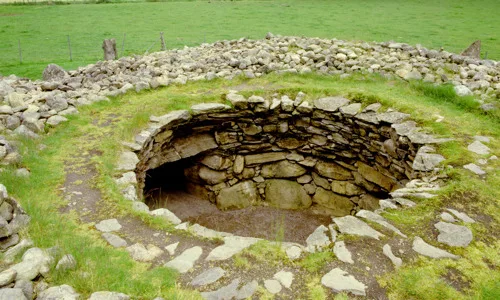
[165,187]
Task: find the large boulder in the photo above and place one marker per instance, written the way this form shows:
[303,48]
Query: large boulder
[238,196]
[286,194]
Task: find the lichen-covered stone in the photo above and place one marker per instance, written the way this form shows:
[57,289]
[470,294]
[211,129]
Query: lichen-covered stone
[286,194]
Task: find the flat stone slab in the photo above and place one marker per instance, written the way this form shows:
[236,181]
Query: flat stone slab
[12,293]
[396,261]
[453,235]
[462,216]
[285,278]
[106,295]
[425,249]
[478,148]
[371,216]
[208,277]
[248,290]
[272,286]
[232,245]
[186,260]
[205,108]
[167,215]
[293,252]
[108,225]
[354,226]
[330,104]
[171,248]
[474,169]
[114,240]
[340,281]
[318,240]
[229,291]
[342,253]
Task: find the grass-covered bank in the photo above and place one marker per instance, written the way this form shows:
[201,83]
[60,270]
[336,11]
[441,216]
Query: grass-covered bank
[42,31]
[102,268]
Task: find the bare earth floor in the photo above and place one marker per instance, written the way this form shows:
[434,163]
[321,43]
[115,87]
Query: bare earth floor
[257,221]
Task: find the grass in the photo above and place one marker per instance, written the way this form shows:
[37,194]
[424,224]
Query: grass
[422,279]
[42,30]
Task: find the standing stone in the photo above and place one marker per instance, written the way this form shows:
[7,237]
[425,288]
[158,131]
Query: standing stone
[474,50]
[286,194]
[109,47]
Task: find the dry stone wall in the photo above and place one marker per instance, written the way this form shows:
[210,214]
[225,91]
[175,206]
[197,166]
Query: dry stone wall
[288,153]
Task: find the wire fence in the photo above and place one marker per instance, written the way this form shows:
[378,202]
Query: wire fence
[84,47]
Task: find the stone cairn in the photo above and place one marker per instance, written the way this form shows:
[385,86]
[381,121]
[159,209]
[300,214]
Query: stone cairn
[285,153]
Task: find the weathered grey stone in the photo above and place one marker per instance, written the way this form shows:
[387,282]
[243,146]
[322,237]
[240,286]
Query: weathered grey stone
[127,161]
[340,281]
[202,231]
[371,216]
[114,240]
[57,103]
[26,286]
[330,104]
[186,260]
[392,117]
[171,248]
[318,240]
[15,100]
[209,276]
[237,100]
[375,176]
[140,253]
[332,170]
[140,206]
[247,291]
[272,286]
[478,148]
[54,72]
[35,261]
[453,235]
[396,261]
[282,169]
[263,158]
[425,249]
[232,245]
[285,278]
[194,144]
[320,181]
[106,295]
[354,226]
[206,108]
[426,161]
[172,118]
[7,276]
[462,90]
[67,262]
[108,225]
[474,169]
[239,164]
[64,291]
[211,176]
[351,109]
[25,132]
[240,195]
[474,50]
[345,188]
[11,253]
[56,120]
[8,242]
[167,215]
[462,216]
[447,217]
[227,292]
[342,252]
[12,294]
[339,205]
[286,194]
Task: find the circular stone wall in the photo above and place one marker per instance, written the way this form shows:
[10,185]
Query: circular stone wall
[287,153]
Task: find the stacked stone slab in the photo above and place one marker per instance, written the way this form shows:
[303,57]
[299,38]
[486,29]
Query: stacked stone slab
[331,153]
[12,219]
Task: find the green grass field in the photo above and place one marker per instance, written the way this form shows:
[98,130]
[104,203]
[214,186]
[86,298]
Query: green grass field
[42,30]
